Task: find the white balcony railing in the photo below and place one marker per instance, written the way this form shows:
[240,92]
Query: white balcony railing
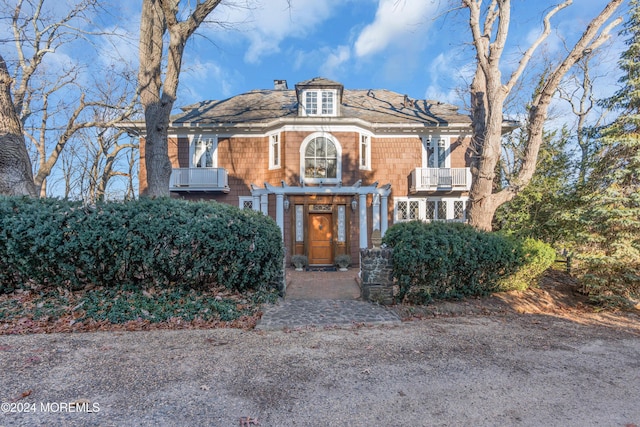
[199,179]
[440,179]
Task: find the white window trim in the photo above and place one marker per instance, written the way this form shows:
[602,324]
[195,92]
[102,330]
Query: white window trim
[367,160]
[274,139]
[423,208]
[192,149]
[243,199]
[303,103]
[303,148]
[432,141]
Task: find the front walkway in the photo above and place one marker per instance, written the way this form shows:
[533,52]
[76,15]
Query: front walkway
[323,298]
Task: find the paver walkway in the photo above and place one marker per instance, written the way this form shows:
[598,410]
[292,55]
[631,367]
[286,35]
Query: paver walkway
[323,299]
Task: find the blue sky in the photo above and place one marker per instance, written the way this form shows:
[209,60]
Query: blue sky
[417,47]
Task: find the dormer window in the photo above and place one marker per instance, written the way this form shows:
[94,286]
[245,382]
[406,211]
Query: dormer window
[319,102]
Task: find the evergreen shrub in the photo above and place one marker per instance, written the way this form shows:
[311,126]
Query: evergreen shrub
[453,260]
[537,257]
[609,281]
[147,242]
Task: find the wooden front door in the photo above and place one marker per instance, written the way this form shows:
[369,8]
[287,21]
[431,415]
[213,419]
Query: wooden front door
[320,239]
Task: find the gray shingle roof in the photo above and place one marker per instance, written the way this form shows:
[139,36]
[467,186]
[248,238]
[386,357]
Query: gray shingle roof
[376,106]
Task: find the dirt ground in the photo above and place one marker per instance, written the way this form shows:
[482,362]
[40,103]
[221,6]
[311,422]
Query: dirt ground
[533,359]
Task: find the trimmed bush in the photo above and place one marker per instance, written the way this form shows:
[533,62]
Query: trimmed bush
[537,257]
[145,242]
[449,260]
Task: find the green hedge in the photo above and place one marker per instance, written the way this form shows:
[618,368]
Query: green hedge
[537,257]
[145,242]
[452,260]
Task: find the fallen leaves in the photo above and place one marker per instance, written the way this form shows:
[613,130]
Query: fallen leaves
[248,421]
[22,396]
[61,311]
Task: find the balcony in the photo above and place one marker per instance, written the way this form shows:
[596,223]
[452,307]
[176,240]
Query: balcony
[440,179]
[199,179]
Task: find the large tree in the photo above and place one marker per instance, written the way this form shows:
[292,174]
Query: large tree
[489,30]
[160,18]
[48,97]
[16,178]
[613,208]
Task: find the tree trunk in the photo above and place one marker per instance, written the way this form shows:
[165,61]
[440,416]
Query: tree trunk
[156,154]
[158,17]
[16,177]
[156,151]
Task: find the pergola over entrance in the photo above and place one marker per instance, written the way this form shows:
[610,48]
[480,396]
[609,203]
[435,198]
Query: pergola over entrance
[379,207]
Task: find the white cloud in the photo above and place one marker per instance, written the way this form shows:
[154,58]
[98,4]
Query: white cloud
[269,23]
[437,93]
[205,76]
[395,20]
[446,81]
[335,60]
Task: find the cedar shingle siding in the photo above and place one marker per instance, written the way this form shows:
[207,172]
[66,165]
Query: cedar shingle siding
[393,122]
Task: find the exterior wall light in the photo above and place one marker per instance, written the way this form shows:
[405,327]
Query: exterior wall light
[286,204]
[354,204]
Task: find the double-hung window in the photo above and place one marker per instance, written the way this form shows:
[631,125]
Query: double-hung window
[365,152]
[274,151]
[327,103]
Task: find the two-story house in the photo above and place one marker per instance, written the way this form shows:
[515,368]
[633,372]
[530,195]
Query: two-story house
[329,164]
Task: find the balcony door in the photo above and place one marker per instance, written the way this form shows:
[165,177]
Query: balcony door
[204,152]
[436,152]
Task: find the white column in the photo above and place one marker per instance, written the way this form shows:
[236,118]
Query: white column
[363,221]
[264,204]
[385,214]
[375,207]
[280,212]
[256,203]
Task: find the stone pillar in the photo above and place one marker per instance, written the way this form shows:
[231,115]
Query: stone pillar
[376,273]
[362,205]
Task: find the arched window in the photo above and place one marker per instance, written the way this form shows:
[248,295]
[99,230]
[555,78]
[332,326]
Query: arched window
[320,158]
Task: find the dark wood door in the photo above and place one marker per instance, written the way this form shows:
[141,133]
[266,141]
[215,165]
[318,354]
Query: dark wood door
[320,239]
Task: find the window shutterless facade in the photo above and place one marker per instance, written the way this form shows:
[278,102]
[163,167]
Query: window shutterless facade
[274,151]
[365,152]
[245,202]
[430,209]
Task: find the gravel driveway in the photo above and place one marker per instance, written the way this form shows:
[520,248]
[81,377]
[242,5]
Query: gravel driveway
[515,370]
